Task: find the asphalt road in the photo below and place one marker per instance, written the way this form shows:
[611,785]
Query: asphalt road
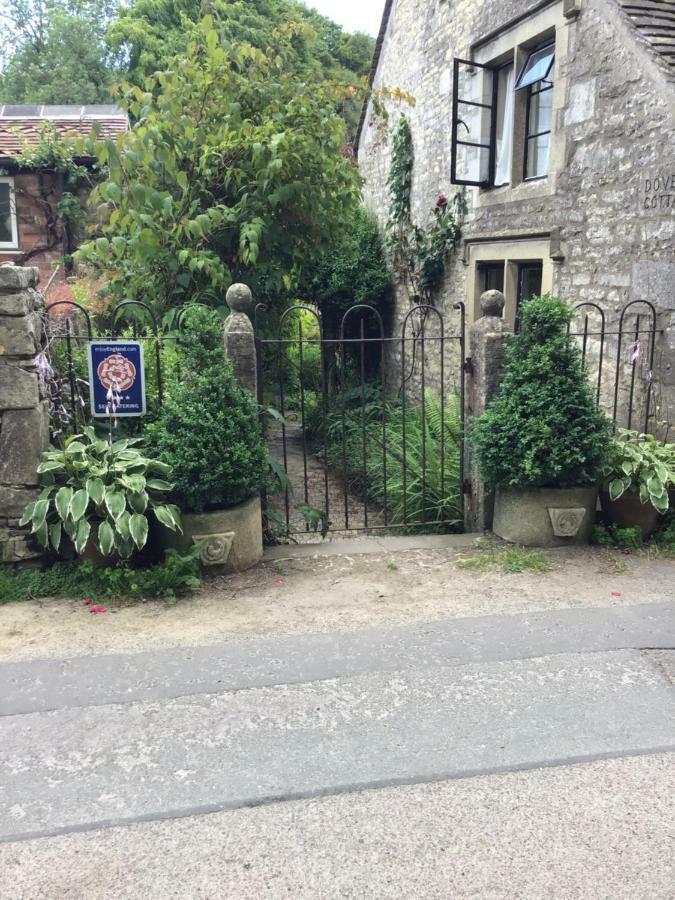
[503,756]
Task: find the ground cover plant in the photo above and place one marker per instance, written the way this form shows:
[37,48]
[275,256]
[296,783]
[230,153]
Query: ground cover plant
[511,561]
[175,576]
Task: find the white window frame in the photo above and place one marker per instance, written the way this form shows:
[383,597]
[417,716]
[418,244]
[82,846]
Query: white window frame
[13,217]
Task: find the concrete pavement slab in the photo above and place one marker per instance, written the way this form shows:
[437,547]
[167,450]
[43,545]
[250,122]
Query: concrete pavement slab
[73,768]
[38,685]
[597,831]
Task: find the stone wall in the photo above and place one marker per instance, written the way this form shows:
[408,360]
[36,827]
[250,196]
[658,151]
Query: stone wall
[24,421]
[607,209]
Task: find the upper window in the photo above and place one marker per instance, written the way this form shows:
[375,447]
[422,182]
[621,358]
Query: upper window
[9,237]
[536,77]
[486,132]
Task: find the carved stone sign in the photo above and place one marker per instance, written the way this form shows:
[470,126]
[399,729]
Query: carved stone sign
[658,191]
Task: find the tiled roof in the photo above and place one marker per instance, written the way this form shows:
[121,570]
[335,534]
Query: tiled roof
[22,124]
[655,20]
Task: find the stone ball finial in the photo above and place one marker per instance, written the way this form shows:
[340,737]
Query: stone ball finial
[492,303]
[239,298]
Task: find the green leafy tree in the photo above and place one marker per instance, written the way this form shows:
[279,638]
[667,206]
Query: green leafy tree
[150,33]
[352,271]
[543,429]
[234,170]
[59,52]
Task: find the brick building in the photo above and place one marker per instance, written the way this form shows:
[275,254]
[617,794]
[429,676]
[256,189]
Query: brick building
[31,232]
[557,119]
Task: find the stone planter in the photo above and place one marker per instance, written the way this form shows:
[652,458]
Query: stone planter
[545,517]
[628,512]
[230,540]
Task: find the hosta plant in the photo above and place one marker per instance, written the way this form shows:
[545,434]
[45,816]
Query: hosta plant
[100,490]
[640,462]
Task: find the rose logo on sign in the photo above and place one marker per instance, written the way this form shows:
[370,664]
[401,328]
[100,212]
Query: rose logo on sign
[116,378]
[116,372]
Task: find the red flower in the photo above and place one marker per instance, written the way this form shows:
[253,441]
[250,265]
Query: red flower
[442,201]
[86,602]
[98,609]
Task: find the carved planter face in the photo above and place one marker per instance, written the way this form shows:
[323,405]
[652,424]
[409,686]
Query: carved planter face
[545,517]
[229,540]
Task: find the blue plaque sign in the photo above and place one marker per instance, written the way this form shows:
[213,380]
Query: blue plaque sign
[116,378]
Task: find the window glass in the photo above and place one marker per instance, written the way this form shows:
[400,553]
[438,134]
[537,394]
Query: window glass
[6,213]
[530,275]
[472,127]
[490,277]
[538,67]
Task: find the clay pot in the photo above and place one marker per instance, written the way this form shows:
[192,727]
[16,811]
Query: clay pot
[629,512]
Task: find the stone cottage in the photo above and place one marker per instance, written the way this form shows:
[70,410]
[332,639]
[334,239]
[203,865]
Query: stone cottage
[31,230]
[557,119]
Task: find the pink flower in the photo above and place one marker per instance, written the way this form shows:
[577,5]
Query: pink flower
[442,201]
[616,593]
[279,581]
[98,609]
[86,602]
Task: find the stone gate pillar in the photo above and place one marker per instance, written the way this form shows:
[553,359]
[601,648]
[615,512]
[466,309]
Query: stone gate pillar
[239,337]
[24,422]
[488,339]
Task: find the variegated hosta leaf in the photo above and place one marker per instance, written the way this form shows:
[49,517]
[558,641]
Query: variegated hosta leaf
[158,484]
[138,502]
[27,514]
[106,538]
[82,535]
[50,465]
[616,489]
[122,525]
[62,501]
[165,515]
[55,531]
[96,490]
[79,504]
[133,483]
[74,448]
[115,503]
[138,528]
[124,546]
[39,514]
[42,535]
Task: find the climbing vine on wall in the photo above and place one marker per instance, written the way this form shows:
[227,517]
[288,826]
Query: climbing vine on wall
[61,184]
[419,255]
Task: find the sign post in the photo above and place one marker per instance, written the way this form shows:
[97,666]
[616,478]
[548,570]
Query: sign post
[117,366]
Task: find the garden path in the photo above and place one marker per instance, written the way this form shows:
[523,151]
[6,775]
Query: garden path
[346,511]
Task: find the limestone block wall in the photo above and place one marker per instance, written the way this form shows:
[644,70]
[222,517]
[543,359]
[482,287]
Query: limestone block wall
[24,423]
[604,218]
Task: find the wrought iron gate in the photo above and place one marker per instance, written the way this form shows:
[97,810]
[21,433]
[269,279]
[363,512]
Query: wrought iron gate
[365,430]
